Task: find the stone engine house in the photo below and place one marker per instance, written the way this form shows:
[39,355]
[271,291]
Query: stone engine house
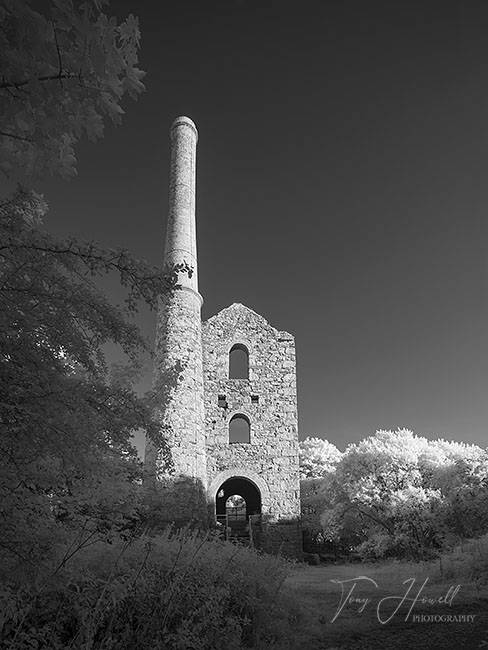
[231,420]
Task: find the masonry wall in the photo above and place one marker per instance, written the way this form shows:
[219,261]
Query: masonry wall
[178,363]
[180,484]
[270,459]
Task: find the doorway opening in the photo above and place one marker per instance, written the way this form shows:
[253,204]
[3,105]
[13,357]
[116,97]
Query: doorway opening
[238,507]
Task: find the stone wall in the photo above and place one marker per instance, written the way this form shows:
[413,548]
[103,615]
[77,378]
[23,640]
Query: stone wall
[196,413]
[268,398]
[179,351]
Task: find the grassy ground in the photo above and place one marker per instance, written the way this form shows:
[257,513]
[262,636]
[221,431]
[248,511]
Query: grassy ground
[332,621]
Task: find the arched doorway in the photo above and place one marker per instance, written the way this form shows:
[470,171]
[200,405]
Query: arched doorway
[249,504]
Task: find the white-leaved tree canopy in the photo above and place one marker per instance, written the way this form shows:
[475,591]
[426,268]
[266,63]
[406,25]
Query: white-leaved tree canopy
[317,457]
[64,71]
[69,469]
[396,494]
[69,472]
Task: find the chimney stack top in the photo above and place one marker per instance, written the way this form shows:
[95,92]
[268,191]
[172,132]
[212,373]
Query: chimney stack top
[182,120]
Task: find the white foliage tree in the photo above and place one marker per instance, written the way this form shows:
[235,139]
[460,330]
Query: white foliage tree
[318,457]
[397,493]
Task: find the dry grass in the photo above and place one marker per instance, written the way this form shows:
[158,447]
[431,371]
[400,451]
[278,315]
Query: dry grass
[325,626]
[183,590]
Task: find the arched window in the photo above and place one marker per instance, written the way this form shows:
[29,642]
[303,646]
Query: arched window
[238,362]
[239,429]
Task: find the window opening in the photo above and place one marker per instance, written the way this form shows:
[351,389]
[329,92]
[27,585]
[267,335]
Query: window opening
[238,362]
[239,429]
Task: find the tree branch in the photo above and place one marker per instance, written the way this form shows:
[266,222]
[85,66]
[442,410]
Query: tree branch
[60,72]
[17,137]
[47,77]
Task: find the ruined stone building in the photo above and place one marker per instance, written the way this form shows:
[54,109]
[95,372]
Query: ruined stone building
[231,419]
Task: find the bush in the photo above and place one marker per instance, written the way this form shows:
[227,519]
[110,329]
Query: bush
[468,561]
[312,558]
[177,591]
[377,547]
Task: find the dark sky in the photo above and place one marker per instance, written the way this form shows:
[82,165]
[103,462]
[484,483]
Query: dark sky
[341,193]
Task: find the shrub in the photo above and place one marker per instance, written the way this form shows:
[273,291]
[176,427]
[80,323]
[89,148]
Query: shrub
[467,561]
[177,591]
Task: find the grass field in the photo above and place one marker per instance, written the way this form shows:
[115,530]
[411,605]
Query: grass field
[395,606]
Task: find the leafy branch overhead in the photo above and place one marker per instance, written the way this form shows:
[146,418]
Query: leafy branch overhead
[63,75]
[69,467]
[54,279]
